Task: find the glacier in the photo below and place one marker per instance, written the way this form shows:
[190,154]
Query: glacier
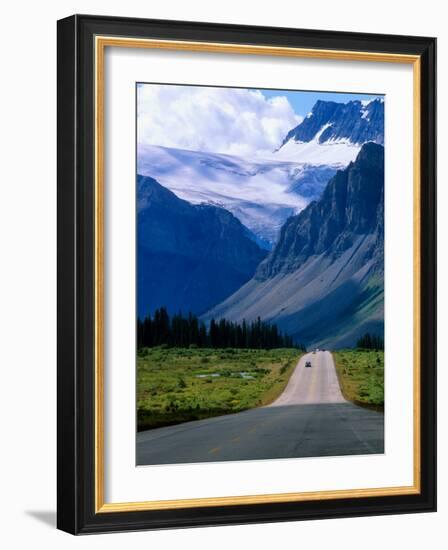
[261,192]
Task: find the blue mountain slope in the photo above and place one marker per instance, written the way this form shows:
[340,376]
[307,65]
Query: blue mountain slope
[323,282]
[190,257]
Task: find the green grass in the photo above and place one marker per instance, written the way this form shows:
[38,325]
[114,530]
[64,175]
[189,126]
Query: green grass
[361,376]
[177,385]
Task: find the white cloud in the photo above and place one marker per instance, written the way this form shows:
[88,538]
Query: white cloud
[220,120]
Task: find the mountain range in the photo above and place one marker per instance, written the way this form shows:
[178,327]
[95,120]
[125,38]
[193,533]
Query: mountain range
[264,192]
[261,193]
[323,282]
[295,239]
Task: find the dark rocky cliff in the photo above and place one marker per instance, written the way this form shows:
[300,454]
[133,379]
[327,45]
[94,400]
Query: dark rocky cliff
[323,282]
[351,205]
[190,257]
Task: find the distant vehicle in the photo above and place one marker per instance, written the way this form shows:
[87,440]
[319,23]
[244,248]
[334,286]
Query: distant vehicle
[308,364]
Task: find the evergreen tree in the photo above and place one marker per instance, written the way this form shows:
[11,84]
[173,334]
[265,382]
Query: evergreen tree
[370,341]
[180,331]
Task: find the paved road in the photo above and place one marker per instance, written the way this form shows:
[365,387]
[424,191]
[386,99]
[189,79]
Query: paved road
[318,384]
[310,418]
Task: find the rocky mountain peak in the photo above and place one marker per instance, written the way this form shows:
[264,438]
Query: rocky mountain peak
[351,205]
[355,122]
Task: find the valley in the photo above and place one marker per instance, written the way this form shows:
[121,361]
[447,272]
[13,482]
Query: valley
[323,282]
[250,269]
[294,238]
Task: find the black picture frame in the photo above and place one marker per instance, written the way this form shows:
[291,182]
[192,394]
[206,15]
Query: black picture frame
[76,286]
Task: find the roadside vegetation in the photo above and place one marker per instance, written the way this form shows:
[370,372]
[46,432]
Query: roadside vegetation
[177,385]
[361,376]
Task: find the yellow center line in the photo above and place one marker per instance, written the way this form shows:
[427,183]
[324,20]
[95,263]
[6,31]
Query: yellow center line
[214,450]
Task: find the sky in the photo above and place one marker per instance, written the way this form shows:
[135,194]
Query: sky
[233,121]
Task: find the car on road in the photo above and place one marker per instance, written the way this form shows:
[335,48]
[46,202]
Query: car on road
[308,364]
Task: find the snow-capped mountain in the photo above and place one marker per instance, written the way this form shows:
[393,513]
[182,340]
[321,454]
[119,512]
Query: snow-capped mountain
[333,133]
[264,192]
[261,193]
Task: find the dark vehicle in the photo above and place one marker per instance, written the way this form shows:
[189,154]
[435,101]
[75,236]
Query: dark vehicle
[308,364]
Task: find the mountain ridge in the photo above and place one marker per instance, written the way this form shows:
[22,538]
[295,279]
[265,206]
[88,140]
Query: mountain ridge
[331,214]
[190,257]
[323,282]
[263,192]
[356,122]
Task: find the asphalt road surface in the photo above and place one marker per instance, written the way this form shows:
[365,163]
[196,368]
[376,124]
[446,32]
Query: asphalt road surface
[310,418]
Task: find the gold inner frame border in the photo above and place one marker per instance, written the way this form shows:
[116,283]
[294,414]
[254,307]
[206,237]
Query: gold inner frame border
[100,44]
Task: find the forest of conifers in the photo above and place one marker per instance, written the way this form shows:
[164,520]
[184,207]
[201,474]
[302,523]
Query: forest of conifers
[185,331]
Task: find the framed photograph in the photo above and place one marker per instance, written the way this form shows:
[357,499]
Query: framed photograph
[246,274]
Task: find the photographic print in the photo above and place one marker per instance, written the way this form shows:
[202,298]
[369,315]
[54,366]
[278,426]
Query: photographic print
[225,238]
[260,252]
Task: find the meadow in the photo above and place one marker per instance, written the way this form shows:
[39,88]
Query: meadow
[361,376]
[177,385]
